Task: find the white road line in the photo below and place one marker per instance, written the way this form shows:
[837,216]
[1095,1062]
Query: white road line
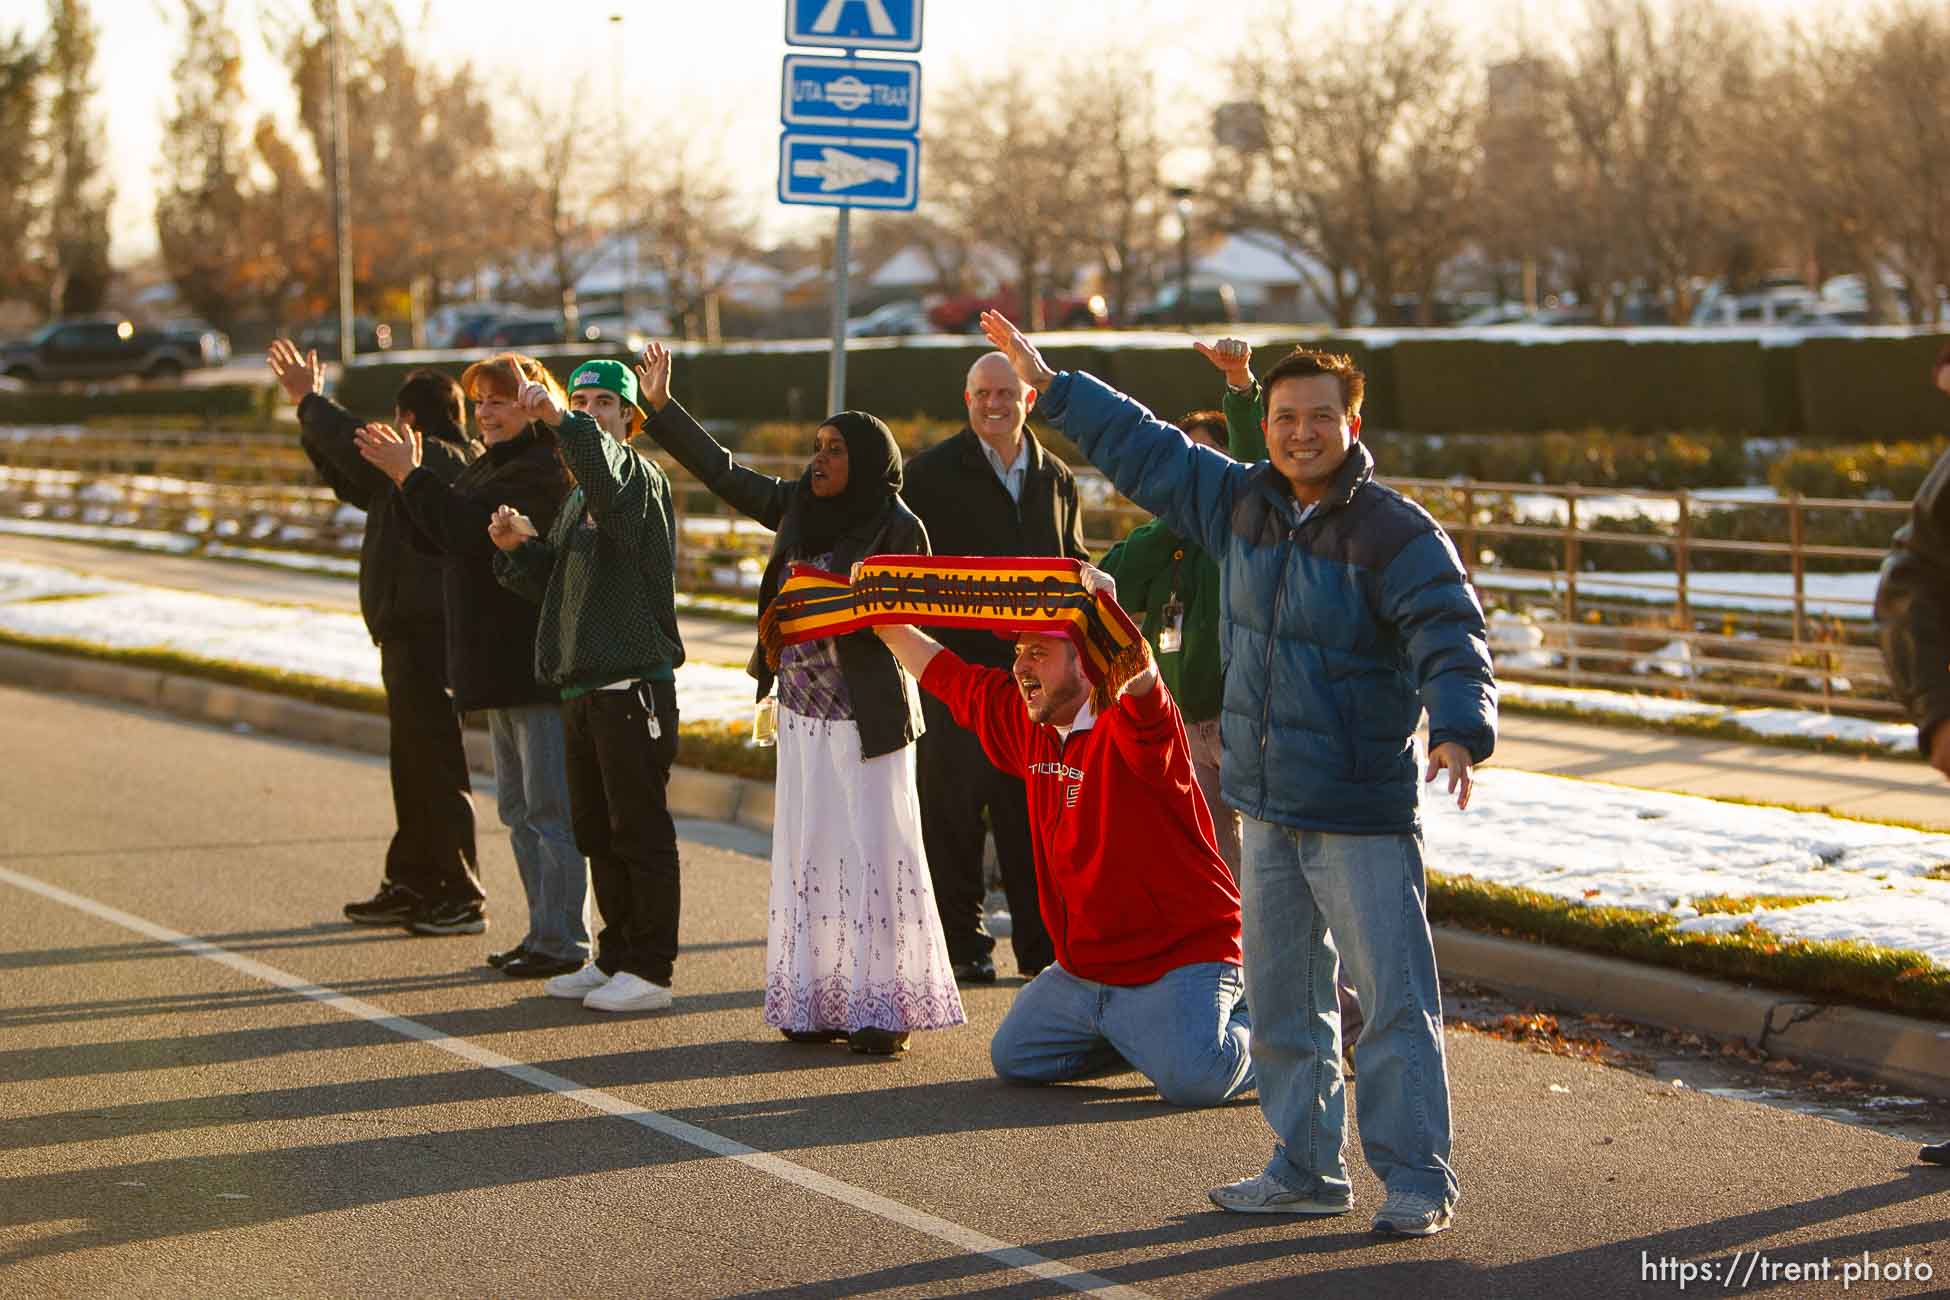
[859,1198]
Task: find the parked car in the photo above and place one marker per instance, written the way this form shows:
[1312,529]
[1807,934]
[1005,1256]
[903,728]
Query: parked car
[896,319]
[629,333]
[110,348]
[455,324]
[963,314]
[525,331]
[322,336]
[1207,304]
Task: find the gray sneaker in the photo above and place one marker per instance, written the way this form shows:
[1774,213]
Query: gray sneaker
[1411,1214]
[1265,1194]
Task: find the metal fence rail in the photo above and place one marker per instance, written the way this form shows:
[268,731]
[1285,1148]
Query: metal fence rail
[1790,622]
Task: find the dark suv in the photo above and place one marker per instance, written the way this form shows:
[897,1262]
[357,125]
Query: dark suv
[111,349]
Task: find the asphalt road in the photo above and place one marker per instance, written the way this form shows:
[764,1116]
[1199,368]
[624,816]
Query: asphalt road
[211,1086]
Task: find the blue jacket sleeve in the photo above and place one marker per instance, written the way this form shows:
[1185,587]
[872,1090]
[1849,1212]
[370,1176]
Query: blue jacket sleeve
[1427,599]
[1190,487]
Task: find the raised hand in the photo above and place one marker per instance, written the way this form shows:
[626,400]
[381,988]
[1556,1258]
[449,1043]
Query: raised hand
[299,376]
[395,454]
[509,528]
[653,376]
[1024,359]
[1454,757]
[1096,581]
[1231,358]
[539,404]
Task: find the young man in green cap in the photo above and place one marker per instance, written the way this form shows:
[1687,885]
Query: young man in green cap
[608,641]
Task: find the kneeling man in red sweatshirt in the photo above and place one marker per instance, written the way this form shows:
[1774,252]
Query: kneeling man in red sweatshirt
[1142,911]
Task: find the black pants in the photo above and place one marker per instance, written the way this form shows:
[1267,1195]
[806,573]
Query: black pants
[957,782]
[617,775]
[432,852]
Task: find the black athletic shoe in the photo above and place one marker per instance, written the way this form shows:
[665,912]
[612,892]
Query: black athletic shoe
[979,970]
[540,966]
[1938,1154]
[449,918]
[392,905]
[500,960]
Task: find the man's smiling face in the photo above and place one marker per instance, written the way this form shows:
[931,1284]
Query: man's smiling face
[1308,432]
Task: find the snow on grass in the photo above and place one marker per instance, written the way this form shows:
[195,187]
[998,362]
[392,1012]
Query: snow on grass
[1897,737]
[1614,846]
[1849,595]
[287,638]
[146,539]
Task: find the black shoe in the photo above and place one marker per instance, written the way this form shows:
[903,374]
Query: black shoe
[392,905]
[500,960]
[450,918]
[815,1035]
[539,966]
[977,970]
[1938,1154]
[878,1042]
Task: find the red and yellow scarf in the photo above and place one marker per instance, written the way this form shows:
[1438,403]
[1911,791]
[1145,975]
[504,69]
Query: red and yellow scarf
[1001,595]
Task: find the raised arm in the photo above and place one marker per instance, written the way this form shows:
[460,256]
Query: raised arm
[914,648]
[1232,358]
[1192,488]
[326,429]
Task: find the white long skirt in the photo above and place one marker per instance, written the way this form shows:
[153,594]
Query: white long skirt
[854,939]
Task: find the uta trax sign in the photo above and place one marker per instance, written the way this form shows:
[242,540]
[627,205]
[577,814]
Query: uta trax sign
[851,94]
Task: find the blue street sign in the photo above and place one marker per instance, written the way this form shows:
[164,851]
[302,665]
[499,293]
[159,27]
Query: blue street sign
[851,94]
[854,24]
[849,171]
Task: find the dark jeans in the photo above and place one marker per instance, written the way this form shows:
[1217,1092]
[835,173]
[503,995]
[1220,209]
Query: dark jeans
[957,782]
[432,852]
[617,775]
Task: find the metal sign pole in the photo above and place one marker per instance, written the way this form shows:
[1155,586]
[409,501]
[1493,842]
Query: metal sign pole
[836,367]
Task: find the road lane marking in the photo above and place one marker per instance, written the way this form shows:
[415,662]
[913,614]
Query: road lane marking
[859,1198]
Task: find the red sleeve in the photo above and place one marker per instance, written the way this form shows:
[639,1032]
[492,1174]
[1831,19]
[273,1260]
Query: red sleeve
[983,701]
[1153,729]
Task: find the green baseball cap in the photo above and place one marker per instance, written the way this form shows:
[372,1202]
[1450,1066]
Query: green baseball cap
[613,375]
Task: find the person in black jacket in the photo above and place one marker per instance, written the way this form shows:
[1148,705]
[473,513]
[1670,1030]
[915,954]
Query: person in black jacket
[991,489]
[1913,619]
[430,863]
[490,644]
[854,947]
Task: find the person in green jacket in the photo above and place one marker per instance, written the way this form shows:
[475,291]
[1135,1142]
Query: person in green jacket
[607,641]
[1172,585]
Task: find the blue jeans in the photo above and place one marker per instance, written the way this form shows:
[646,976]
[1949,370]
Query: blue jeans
[1186,1031]
[1369,891]
[531,786]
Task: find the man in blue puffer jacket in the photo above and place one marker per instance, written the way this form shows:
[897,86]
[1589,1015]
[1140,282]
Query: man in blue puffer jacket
[1345,614]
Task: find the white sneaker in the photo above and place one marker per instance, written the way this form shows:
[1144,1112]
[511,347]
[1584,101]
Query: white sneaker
[577,984]
[1265,1194]
[1410,1214]
[627,992]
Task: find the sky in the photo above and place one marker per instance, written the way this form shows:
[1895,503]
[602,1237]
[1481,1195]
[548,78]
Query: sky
[707,73]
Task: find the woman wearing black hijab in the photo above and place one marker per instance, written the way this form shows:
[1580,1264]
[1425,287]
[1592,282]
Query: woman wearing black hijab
[854,946]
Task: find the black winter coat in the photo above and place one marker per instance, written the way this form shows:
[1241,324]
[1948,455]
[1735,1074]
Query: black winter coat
[955,491]
[886,702]
[490,630]
[399,588]
[1913,606]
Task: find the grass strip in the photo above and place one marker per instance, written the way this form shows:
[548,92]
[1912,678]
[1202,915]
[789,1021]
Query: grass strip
[1885,979]
[1729,905]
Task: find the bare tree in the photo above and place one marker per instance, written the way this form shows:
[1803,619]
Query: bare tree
[23,168]
[1001,173]
[1905,69]
[1368,154]
[1107,114]
[699,233]
[200,224]
[76,150]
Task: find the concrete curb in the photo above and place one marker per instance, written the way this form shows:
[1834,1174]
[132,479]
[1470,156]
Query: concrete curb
[1910,1054]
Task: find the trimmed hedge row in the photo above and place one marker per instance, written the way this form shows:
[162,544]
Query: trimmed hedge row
[219,402]
[1825,388]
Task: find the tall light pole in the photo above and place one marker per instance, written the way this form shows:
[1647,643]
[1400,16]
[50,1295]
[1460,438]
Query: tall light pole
[341,187]
[625,218]
[1181,197]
